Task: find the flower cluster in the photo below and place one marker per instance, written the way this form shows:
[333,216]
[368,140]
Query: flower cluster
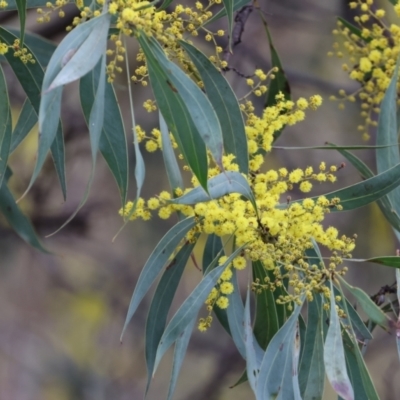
[372,47]
[275,234]
[21,52]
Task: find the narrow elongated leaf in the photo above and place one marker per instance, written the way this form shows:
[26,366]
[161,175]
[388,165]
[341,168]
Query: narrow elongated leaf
[251,360]
[353,29]
[177,116]
[312,370]
[199,107]
[228,5]
[158,258]
[384,202]
[363,193]
[331,146]
[79,60]
[165,4]
[334,359]
[160,305]
[26,121]
[218,186]
[179,354]
[112,143]
[275,379]
[5,126]
[267,320]
[69,49]
[17,220]
[225,103]
[30,76]
[190,307]
[369,307]
[361,380]
[21,7]
[170,162]
[388,261]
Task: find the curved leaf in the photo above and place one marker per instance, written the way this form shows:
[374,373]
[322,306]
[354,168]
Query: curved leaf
[177,116]
[200,109]
[237,4]
[334,359]
[251,360]
[30,76]
[112,143]
[170,162]
[179,354]
[158,258]
[160,305]
[276,371]
[218,186]
[191,307]
[225,104]
[21,7]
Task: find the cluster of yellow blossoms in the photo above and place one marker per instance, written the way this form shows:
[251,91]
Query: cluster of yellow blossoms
[373,48]
[277,234]
[21,52]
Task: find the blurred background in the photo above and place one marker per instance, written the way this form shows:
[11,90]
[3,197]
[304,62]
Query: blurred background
[61,315]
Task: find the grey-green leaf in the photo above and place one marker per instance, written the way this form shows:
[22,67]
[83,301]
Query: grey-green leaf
[191,307]
[156,262]
[177,116]
[275,378]
[334,359]
[199,107]
[170,162]
[225,103]
[218,186]
[26,121]
[160,305]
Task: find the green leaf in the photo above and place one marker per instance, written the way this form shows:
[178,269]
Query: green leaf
[225,104]
[363,193]
[218,186]
[165,4]
[158,258]
[251,359]
[26,121]
[191,307]
[280,83]
[177,116]
[5,126]
[388,261]
[199,107]
[312,370]
[170,162]
[237,4]
[82,55]
[112,140]
[228,5]
[384,203]
[179,354]
[72,49]
[160,305]
[361,380]
[334,359]
[30,77]
[17,220]
[269,316]
[21,7]
[276,370]
[370,308]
